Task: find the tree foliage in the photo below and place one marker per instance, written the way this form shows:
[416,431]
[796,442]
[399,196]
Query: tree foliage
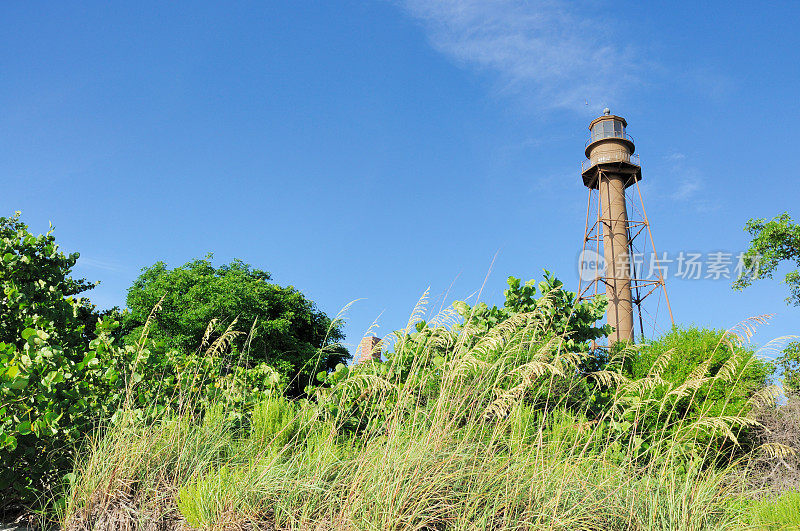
[789,365]
[286,329]
[37,289]
[49,377]
[774,241]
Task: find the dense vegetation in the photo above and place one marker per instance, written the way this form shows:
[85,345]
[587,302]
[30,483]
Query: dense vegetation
[220,400]
[66,369]
[461,427]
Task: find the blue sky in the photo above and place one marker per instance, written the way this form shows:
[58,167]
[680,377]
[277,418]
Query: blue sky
[370,149]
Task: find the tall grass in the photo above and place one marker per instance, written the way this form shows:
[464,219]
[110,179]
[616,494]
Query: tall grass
[501,443]
[780,513]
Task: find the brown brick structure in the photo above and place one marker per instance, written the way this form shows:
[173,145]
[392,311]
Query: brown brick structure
[368,349]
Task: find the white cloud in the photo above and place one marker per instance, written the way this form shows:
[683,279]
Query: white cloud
[540,48]
[675,157]
[690,186]
[676,181]
[105,265]
[686,189]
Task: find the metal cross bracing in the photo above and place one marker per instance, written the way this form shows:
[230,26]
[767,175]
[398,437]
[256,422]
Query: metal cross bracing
[636,224]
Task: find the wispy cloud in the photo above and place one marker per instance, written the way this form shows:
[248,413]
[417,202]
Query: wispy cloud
[105,265]
[546,49]
[674,180]
[687,180]
[686,189]
[675,157]
[689,185]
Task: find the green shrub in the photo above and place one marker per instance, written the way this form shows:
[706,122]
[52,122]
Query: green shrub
[728,373]
[287,332]
[55,383]
[51,398]
[275,422]
[781,513]
[693,349]
[36,290]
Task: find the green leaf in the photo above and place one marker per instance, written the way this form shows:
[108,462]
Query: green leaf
[12,371]
[21,382]
[89,356]
[10,442]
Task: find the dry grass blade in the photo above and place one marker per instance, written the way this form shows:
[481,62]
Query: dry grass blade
[250,335]
[502,405]
[369,383]
[660,364]
[608,378]
[644,385]
[464,364]
[743,332]
[419,311]
[150,317]
[223,341]
[775,346]
[723,424]
[727,372]
[766,397]
[212,325]
[700,372]
[535,369]
[777,450]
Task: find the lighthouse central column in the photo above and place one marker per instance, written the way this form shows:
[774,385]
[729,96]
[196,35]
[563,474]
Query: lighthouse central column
[615,249]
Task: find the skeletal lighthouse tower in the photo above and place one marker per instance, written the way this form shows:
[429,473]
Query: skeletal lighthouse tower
[610,170]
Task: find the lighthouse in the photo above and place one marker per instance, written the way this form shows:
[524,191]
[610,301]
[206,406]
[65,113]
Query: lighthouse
[611,168]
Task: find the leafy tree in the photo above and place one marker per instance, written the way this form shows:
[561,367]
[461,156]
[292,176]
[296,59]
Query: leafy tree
[51,382]
[63,372]
[773,242]
[287,331]
[789,365]
[37,290]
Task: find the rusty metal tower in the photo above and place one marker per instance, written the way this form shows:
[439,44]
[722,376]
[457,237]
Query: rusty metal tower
[611,169]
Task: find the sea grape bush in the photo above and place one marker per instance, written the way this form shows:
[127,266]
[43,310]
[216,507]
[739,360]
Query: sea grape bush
[37,291]
[49,381]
